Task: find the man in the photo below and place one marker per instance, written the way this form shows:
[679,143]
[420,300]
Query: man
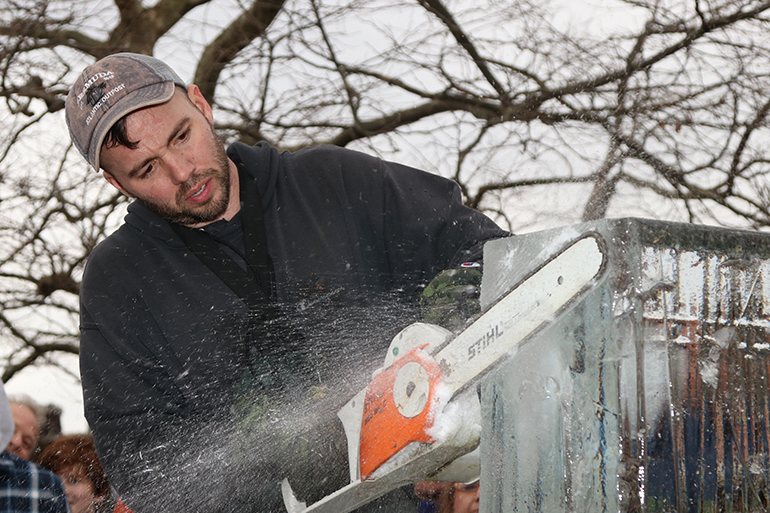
[25,487]
[248,295]
[26,429]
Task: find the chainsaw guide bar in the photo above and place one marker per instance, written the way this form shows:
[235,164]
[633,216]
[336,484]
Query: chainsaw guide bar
[400,429]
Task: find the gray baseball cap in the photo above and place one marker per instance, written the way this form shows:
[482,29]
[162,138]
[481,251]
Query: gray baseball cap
[110,89]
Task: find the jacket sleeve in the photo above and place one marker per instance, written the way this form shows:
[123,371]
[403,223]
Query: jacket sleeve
[157,446]
[125,410]
[420,217]
[428,219]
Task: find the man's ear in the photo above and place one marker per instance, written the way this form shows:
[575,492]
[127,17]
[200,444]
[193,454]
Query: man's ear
[196,96]
[115,183]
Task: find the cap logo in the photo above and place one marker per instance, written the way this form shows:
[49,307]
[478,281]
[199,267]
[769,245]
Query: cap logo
[95,94]
[104,75]
[100,100]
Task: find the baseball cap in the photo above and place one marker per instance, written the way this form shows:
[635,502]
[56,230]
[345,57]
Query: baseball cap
[110,89]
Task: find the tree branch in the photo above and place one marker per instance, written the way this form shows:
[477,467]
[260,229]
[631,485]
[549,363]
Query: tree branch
[437,8]
[250,25]
[37,352]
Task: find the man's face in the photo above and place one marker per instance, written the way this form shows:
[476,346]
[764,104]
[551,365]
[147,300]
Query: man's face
[25,432]
[179,168]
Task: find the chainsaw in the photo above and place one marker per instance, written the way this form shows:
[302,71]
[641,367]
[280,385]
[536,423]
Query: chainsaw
[419,417]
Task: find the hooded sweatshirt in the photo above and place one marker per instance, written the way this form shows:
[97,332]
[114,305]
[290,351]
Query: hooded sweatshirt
[175,365]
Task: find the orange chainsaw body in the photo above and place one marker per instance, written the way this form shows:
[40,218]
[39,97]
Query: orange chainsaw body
[385,429]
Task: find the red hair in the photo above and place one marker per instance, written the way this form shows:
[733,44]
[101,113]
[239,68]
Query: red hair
[76,450]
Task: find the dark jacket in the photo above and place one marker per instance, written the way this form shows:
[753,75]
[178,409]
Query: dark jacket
[169,352]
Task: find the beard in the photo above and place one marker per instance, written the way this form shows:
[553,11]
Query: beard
[207,212]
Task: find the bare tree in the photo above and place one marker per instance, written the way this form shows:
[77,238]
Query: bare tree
[545,112]
[53,211]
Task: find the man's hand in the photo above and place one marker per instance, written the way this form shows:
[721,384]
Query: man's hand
[451,299]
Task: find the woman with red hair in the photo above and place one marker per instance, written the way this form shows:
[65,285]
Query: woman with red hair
[73,458]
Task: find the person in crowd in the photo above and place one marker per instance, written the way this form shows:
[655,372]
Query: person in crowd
[26,427]
[447,497]
[24,486]
[73,458]
[241,279]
